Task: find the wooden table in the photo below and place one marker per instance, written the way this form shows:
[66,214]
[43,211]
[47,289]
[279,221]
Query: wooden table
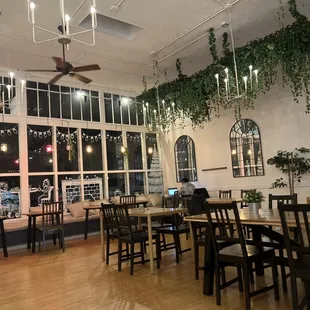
[3,238]
[32,228]
[260,223]
[224,200]
[148,213]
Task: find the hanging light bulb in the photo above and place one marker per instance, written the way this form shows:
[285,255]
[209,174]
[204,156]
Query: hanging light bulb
[123,149]
[89,149]
[150,150]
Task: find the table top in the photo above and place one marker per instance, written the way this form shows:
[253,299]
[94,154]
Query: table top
[2,218]
[97,207]
[155,211]
[224,200]
[262,217]
[38,213]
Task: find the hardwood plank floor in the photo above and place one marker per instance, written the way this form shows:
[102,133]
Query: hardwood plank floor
[77,279]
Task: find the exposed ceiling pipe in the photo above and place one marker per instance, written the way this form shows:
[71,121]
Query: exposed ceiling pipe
[194,27]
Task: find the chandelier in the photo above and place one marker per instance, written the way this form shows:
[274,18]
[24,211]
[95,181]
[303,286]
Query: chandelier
[65,37]
[241,89]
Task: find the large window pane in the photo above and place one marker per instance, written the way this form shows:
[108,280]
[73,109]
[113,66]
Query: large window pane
[93,187]
[92,150]
[65,102]
[108,111]
[85,100]
[114,156]
[9,148]
[8,97]
[134,150]
[41,187]
[151,146]
[55,101]
[116,184]
[67,149]
[76,98]
[136,182]
[116,109]
[95,109]
[133,112]
[43,100]
[10,197]
[32,100]
[124,106]
[69,188]
[40,150]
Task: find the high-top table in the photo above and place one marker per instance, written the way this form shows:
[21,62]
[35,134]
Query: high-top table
[148,213]
[3,238]
[260,222]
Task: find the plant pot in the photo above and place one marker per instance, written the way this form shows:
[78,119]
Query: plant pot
[254,206]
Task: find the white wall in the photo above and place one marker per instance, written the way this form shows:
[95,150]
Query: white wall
[283,125]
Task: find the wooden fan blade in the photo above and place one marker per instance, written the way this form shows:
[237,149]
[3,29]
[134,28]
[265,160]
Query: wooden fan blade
[40,70]
[55,79]
[81,78]
[85,68]
[59,61]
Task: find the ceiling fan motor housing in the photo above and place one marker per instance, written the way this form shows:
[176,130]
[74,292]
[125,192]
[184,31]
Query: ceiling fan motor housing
[64,39]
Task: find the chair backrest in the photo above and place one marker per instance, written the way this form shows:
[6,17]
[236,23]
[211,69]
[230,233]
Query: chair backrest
[225,194]
[284,199]
[170,201]
[294,215]
[196,205]
[109,219]
[222,219]
[129,200]
[243,194]
[123,220]
[52,214]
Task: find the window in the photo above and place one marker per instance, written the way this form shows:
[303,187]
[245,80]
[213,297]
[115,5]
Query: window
[10,197]
[92,150]
[69,188]
[9,149]
[134,151]
[151,145]
[136,182]
[115,157]
[93,187]
[246,149]
[45,100]
[117,185]
[41,186]
[7,95]
[40,149]
[185,159]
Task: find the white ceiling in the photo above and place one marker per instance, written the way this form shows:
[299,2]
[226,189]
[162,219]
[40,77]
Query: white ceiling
[124,62]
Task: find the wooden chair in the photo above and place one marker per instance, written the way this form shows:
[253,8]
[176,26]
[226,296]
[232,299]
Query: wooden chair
[129,200]
[225,194]
[130,237]
[298,215]
[175,229]
[3,238]
[284,199]
[110,227]
[239,254]
[52,223]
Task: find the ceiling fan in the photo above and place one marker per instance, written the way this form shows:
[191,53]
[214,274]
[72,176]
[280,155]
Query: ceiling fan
[65,68]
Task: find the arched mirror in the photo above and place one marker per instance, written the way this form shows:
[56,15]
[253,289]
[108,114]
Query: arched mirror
[185,159]
[246,149]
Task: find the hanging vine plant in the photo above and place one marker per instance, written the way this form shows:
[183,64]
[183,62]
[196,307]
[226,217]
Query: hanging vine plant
[196,97]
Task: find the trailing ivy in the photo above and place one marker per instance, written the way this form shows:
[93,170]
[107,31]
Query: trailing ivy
[195,97]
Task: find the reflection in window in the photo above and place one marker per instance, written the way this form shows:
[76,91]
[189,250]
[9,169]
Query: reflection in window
[185,159]
[41,188]
[151,145]
[93,187]
[134,150]
[67,149]
[116,184]
[92,151]
[69,188]
[246,150]
[10,197]
[9,150]
[115,157]
[136,182]
[40,150]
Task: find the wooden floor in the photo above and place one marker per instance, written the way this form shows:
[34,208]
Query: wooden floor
[77,279]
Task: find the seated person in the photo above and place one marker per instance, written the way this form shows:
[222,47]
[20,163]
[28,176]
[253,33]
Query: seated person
[187,187]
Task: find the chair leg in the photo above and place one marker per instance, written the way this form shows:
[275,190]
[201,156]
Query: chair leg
[39,242]
[251,273]
[158,251]
[294,291]
[127,250]
[132,257]
[240,281]
[275,279]
[283,274]
[196,252]
[176,240]
[246,279]
[218,283]
[142,252]
[307,290]
[44,245]
[223,275]
[119,260]
[164,240]
[107,256]
[63,240]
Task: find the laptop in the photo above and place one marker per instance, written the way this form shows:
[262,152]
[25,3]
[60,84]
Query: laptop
[171,191]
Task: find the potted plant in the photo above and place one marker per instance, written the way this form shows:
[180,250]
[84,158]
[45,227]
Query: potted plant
[254,199]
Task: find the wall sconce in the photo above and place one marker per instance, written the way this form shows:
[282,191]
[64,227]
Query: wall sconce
[4,147]
[89,149]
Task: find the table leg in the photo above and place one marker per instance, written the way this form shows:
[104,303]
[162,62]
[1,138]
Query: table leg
[139,223]
[34,228]
[209,268]
[102,237]
[29,233]
[150,233]
[4,245]
[86,225]
[257,238]
[192,240]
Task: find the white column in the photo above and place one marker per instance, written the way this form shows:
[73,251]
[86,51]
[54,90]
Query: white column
[55,163]
[105,163]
